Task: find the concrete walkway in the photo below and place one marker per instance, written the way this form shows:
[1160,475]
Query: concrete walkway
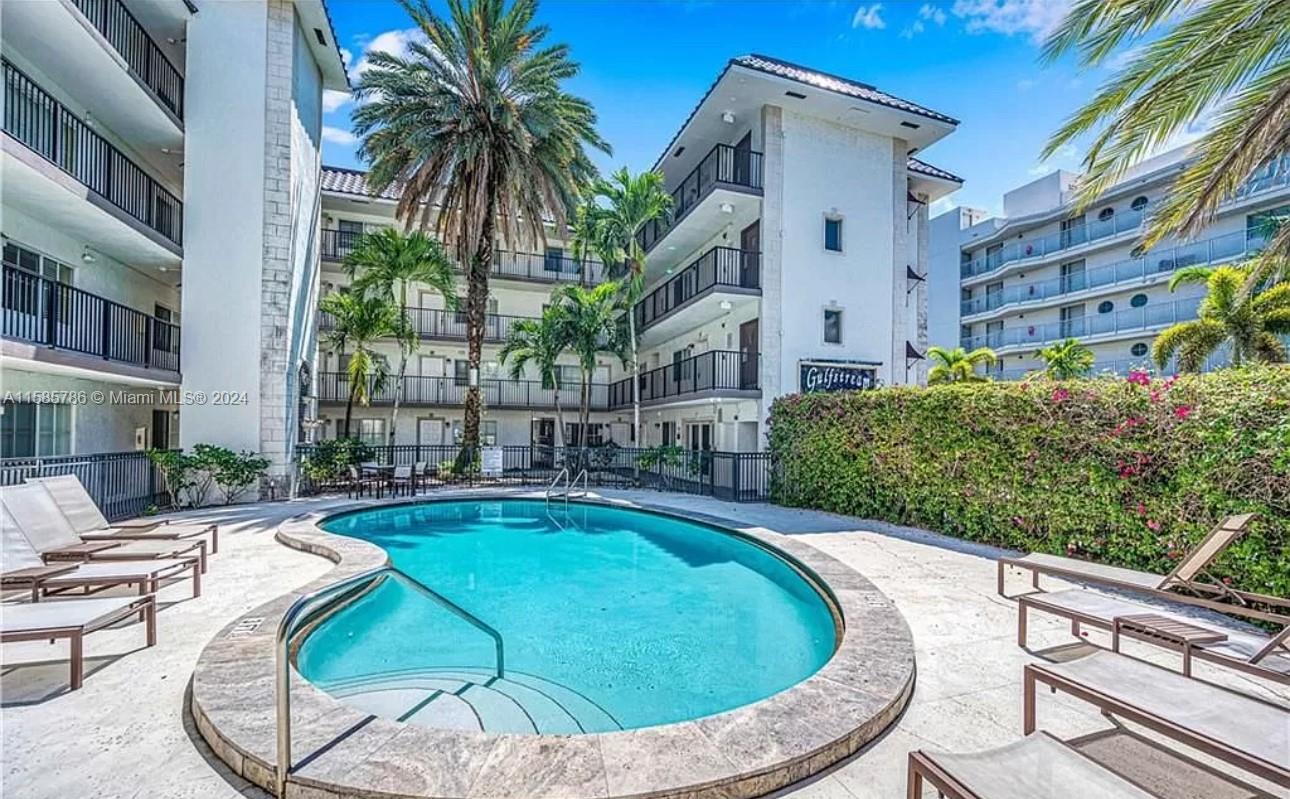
[127,733]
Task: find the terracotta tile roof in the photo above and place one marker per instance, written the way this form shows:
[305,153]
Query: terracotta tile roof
[834,83]
[352,181]
[924,168]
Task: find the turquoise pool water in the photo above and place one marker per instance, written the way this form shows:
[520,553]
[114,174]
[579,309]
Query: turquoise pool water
[648,618]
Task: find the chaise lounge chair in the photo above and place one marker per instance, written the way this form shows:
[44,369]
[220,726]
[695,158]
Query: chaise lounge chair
[1238,729]
[73,619]
[89,522]
[37,516]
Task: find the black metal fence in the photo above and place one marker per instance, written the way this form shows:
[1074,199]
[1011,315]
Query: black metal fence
[433,323]
[734,476]
[123,484]
[41,123]
[451,392]
[54,314]
[719,266]
[723,165]
[715,370]
[112,19]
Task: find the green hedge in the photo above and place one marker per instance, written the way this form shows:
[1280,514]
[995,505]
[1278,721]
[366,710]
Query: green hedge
[1130,472]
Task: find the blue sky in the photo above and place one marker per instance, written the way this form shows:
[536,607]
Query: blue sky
[646,64]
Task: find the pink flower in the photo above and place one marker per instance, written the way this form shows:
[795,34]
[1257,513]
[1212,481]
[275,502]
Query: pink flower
[1060,395]
[1139,378]
[1153,525]
[1142,509]
[1182,411]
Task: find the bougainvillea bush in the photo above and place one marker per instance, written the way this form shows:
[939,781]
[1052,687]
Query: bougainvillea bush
[1130,472]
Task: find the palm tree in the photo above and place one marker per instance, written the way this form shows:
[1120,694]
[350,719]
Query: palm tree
[590,323]
[585,237]
[484,144]
[1228,58]
[1066,359]
[958,365]
[357,323]
[384,263]
[630,202]
[1227,315]
[540,342]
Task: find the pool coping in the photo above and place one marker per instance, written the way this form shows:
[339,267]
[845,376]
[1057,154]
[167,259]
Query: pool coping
[345,753]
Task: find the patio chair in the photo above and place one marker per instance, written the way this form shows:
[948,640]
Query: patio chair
[1038,766]
[90,523]
[401,479]
[420,475]
[38,518]
[23,568]
[1240,730]
[1189,581]
[1247,650]
[359,483]
[73,619]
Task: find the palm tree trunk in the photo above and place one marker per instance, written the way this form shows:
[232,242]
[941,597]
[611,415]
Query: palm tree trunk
[559,417]
[636,377]
[349,407]
[476,311]
[403,360]
[586,412]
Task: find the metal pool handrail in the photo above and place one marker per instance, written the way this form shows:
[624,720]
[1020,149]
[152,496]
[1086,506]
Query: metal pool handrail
[338,593]
[550,490]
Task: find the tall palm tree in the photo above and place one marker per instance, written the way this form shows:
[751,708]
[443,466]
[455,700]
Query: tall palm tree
[630,201]
[958,365]
[540,342]
[1227,315]
[1228,58]
[475,129]
[1066,359]
[585,237]
[590,322]
[385,263]
[358,322]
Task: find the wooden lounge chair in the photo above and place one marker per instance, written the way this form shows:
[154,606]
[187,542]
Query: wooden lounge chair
[1036,767]
[37,516]
[1189,582]
[73,619]
[24,569]
[1251,651]
[1235,728]
[90,523]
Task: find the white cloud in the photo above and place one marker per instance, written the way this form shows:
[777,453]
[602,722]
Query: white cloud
[1036,18]
[334,100]
[394,42]
[910,31]
[1063,157]
[338,136]
[869,17]
[933,13]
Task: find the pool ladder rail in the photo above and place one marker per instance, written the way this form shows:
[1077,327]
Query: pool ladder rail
[556,491]
[313,606]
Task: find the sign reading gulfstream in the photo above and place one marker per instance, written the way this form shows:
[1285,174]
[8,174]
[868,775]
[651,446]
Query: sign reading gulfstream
[835,376]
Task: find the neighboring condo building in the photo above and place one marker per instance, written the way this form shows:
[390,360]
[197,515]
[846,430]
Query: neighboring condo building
[795,258]
[1043,273]
[159,208]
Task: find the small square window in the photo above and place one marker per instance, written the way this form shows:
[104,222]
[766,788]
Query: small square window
[832,327]
[833,235]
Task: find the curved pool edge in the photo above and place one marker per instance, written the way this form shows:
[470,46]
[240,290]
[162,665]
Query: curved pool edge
[745,752]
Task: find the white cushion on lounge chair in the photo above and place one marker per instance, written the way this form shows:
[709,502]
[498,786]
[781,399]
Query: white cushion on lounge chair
[71,613]
[106,569]
[1036,767]
[15,551]
[38,517]
[75,503]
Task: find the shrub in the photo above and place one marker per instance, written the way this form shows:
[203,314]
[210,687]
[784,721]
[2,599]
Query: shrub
[331,458]
[1129,472]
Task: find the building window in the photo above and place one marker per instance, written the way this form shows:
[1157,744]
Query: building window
[1258,227]
[372,432]
[1105,214]
[554,260]
[1106,306]
[832,326]
[1139,203]
[488,433]
[30,430]
[1138,350]
[461,372]
[18,256]
[1138,300]
[833,234]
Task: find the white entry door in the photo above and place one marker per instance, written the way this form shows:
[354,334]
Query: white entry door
[429,389]
[431,432]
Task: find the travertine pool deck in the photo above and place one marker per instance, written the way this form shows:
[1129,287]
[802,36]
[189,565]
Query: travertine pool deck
[129,733]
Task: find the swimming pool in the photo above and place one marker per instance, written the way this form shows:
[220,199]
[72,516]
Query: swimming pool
[611,619]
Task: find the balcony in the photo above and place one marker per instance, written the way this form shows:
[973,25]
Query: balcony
[451,392]
[677,305]
[146,60]
[723,170]
[433,323]
[335,245]
[717,373]
[60,154]
[1158,262]
[61,317]
[1088,328]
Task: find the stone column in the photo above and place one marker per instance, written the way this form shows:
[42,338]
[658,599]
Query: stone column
[900,260]
[772,248]
[922,267]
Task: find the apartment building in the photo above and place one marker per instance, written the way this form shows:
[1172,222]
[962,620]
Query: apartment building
[1043,273]
[159,220]
[794,259]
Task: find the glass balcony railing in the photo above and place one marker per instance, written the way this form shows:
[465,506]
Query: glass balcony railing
[1232,246]
[723,165]
[1133,319]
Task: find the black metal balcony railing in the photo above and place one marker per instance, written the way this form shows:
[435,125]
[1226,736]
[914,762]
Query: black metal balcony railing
[538,267]
[715,370]
[112,19]
[451,391]
[719,266]
[433,323]
[723,165]
[57,315]
[41,123]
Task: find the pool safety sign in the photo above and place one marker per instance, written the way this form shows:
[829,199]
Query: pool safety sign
[815,376]
[490,461]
